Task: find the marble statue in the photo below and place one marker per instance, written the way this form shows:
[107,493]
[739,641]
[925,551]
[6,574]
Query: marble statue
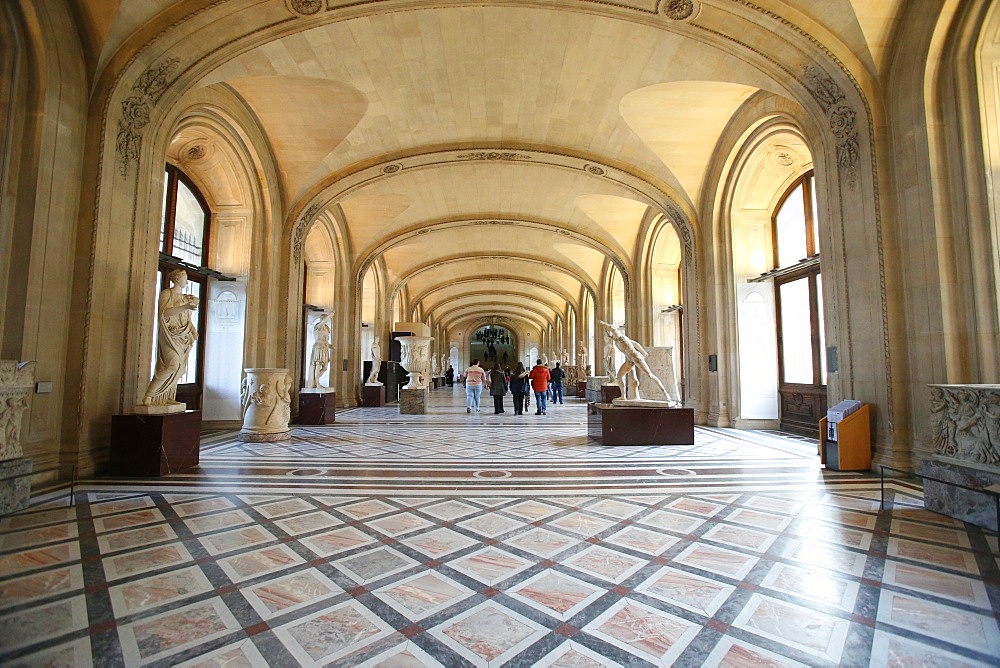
[635,361]
[609,357]
[444,363]
[565,357]
[434,365]
[319,358]
[176,338]
[581,357]
[376,363]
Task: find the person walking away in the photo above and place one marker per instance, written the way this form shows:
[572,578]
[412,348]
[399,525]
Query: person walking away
[556,383]
[498,388]
[475,380]
[539,376]
[520,387]
[449,375]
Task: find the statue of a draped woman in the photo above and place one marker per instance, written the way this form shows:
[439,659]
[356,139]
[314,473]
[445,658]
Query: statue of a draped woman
[176,338]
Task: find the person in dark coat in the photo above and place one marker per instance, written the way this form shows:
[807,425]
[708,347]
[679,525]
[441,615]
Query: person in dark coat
[520,387]
[449,375]
[498,388]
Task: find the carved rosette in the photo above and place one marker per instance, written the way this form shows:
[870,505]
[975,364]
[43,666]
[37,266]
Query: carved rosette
[414,356]
[266,401]
[136,110]
[678,10]
[965,423]
[17,381]
[305,7]
[842,119]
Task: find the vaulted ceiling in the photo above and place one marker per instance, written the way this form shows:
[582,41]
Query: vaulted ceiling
[495,156]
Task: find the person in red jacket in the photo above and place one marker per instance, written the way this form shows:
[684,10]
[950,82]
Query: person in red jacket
[539,376]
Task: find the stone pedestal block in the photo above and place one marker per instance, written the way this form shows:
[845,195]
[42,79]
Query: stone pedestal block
[964,504]
[147,446]
[373,396]
[317,406]
[627,425]
[581,388]
[593,392]
[15,485]
[413,402]
[609,393]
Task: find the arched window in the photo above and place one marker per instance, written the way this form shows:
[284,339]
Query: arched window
[184,235]
[798,289]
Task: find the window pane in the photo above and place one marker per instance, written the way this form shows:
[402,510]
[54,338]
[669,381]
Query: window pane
[815,216]
[791,230]
[796,336]
[163,216]
[189,226]
[191,374]
[822,331]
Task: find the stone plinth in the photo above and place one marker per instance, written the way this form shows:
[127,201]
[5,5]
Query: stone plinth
[593,391]
[147,446]
[569,383]
[964,504]
[413,402]
[267,405]
[581,389]
[317,406]
[609,393]
[627,425]
[15,485]
[373,395]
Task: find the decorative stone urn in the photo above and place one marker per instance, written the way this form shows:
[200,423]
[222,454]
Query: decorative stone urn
[414,357]
[265,396]
[17,380]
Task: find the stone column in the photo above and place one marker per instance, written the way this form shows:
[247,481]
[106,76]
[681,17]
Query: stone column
[266,399]
[17,380]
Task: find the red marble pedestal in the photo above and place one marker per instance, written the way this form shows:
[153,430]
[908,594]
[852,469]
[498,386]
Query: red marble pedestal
[373,396]
[627,425]
[317,408]
[148,446]
[609,393]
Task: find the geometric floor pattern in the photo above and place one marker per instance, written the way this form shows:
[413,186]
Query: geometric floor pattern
[451,539]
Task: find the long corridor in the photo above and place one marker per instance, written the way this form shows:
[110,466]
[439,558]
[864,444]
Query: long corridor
[462,539]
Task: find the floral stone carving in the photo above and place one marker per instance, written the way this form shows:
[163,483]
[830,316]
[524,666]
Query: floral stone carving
[266,400]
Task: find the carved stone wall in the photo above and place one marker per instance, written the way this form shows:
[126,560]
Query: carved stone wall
[17,380]
[965,423]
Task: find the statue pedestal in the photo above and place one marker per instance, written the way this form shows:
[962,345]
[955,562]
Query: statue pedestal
[148,446]
[317,405]
[413,402]
[632,425]
[581,389]
[593,392]
[15,485]
[964,504]
[609,393]
[373,396]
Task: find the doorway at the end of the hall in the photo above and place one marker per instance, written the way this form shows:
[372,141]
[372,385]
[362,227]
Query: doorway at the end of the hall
[493,344]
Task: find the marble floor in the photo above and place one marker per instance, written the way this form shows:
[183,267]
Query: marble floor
[451,539]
